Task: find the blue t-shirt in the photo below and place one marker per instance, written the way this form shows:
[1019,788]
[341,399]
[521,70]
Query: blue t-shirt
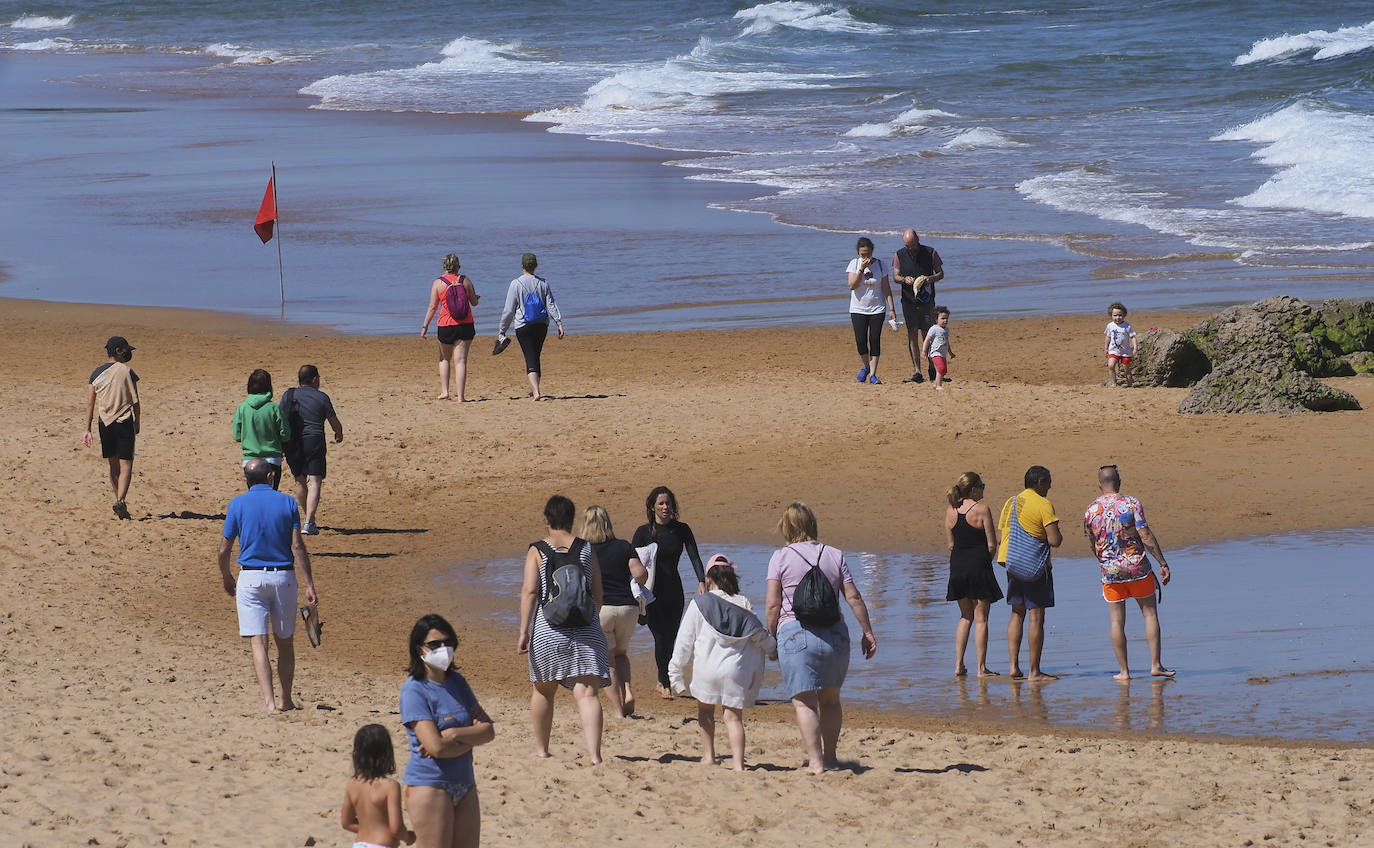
[262,521]
[447,705]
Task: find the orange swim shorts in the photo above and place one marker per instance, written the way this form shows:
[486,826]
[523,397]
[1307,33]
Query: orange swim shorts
[1125,360]
[1115,593]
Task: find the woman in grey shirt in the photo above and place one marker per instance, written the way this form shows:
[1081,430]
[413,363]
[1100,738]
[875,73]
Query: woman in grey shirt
[529,306]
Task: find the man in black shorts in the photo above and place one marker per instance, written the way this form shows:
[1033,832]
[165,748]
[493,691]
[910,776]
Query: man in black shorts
[306,409]
[917,268]
[114,387]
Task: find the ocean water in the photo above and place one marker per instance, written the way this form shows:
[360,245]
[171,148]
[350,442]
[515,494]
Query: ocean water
[1289,660]
[1059,155]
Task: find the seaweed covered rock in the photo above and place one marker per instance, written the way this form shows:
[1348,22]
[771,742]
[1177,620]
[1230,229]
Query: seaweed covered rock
[1313,339]
[1257,382]
[1167,358]
[1361,363]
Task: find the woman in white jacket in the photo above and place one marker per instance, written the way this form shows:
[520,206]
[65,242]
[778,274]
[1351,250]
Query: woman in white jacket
[721,646]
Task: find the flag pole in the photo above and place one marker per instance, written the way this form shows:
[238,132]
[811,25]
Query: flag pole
[281,277]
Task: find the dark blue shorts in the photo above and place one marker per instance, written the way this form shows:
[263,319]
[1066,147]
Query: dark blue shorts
[308,458]
[1036,594]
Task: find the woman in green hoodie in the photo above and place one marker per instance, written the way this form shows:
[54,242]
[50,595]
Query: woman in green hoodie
[259,425]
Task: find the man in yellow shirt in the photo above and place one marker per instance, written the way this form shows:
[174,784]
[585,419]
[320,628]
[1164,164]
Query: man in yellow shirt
[1029,599]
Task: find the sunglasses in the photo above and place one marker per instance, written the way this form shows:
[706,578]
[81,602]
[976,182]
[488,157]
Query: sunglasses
[436,644]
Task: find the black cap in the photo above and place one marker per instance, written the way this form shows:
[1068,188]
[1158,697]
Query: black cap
[117,343]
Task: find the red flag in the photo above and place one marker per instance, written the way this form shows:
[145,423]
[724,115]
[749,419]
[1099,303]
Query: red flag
[267,213]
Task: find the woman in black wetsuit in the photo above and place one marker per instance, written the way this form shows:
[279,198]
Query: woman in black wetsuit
[665,613]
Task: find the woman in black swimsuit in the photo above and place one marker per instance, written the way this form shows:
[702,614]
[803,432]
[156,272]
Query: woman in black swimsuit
[665,613]
[971,533]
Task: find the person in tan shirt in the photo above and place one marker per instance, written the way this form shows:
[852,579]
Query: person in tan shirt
[113,389]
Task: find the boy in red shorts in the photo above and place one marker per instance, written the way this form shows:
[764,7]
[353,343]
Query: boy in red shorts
[1121,344]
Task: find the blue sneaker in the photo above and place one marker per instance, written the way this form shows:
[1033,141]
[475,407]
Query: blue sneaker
[863,374]
[874,381]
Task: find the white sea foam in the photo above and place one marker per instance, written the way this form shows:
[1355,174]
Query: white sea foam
[679,92]
[45,44]
[903,123]
[1103,196]
[425,86]
[1322,156]
[767,17]
[41,22]
[1328,45]
[977,137]
[244,55]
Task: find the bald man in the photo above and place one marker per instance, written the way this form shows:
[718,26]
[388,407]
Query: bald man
[917,268]
[1115,526]
[267,524]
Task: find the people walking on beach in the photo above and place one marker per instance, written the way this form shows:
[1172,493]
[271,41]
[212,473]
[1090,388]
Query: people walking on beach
[529,306]
[672,537]
[1027,529]
[620,566]
[1115,526]
[113,391]
[271,551]
[1121,345]
[444,723]
[306,409]
[570,650]
[917,268]
[972,538]
[721,647]
[372,799]
[452,295]
[259,425]
[805,580]
[937,348]
[869,289]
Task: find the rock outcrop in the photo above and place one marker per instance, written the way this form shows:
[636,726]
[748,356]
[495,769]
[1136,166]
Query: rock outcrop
[1263,357]
[1260,383]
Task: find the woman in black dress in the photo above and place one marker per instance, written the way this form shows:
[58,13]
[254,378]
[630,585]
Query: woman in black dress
[971,533]
[673,537]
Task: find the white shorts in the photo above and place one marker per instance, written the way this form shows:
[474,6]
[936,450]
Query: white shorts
[266,602]
[618,623]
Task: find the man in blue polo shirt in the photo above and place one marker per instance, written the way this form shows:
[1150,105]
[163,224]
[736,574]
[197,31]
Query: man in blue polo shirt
[267,524]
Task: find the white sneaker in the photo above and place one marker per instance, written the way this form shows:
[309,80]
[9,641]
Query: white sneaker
[308,529]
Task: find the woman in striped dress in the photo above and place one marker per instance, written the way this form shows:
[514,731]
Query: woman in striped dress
[574,657]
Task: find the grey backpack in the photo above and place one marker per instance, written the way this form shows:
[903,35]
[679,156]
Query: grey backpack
[567,600]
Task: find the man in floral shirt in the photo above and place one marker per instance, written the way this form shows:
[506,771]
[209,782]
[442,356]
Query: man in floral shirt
[1115,525]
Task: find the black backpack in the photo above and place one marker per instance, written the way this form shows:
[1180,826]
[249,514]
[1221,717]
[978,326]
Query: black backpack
[568,600]
[813,601]
[291,412]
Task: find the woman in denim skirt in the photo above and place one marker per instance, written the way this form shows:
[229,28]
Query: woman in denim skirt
[814,660]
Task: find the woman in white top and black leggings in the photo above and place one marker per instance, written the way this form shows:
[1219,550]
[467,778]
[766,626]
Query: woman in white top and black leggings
[869,288]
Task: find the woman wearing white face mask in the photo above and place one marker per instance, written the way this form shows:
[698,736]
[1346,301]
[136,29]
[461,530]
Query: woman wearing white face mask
[444,723]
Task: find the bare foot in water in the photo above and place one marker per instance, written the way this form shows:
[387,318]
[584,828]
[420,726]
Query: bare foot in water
[961,670]
[1041,677]
[987,672]
[1161,671]
[1016,674]
[1123,676]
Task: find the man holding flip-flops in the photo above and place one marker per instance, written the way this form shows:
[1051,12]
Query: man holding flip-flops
[267,524]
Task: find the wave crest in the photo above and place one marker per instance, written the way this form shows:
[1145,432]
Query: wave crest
[903,123]
[41,22]
[1328,45]
[767,17]
[1322,156]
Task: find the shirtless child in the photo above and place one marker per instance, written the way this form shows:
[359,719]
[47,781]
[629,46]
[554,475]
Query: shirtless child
[372,800]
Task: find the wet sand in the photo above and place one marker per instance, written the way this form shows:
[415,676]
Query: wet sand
[132,717]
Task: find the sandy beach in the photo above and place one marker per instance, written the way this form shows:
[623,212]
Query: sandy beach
[130,718]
